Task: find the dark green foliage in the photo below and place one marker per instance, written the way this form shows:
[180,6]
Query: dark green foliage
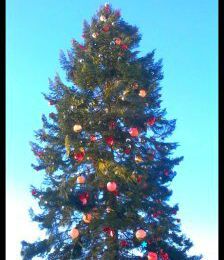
[106,79]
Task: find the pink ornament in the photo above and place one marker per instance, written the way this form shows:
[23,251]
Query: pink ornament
[124,47]
[133,132]
[152,256]
[140,234]
[34,192]
[92,138]
[111,186]
[74,233]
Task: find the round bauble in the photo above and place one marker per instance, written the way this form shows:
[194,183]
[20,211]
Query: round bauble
[111,186]
[106,28]
[110,140]
[74,233]
[94,35]
[77,128]
[93,138]
[151,121]
[81,180]
[142,93]
[118,41]
[152,256]
[140,234]
[123,243]
[79,156]
[103,18]
[133,132]
[87,218]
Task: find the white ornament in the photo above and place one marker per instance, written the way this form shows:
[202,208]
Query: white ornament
[94,35]
[103,18]
[77,128]
[81,60]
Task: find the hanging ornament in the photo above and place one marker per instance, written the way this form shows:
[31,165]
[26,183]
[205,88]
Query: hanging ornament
[118,41]
[139,179]
[93,138]
[108,209]
[112,43]
[140,234]
[81,60]
[138,159]
[110,140]
[152,256]
[82,47]
[94,35]
[103,18]
[164,256]
[117,13]
[81,180]
[142,93]
[111,186]
[112,125]
[134,132]
[123,243]
[124,47]
[135,85]
[106,28]
[151,121]
[166,172]
[87,218]
[83,197]
[77,128]
[127,150]
[34,192]
[74,233]
[79,156]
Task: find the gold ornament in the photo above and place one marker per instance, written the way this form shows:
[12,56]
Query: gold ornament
[77,128]
[142,93]
[87,218]
[138,159]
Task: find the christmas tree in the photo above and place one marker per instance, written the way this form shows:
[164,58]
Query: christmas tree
[107,163]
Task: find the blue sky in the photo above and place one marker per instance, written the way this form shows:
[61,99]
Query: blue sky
[184,34]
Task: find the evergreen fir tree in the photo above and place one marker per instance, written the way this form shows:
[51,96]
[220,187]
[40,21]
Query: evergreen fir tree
[107,163]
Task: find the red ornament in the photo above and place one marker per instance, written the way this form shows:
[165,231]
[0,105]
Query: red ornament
[112,125]
[34,192]
[123,243]
[139,179]
[84,197]
[52,115]
[127,151]
[124,47]
[106,28]
[152,256]
[111,186]
[79,156]
[82,47]
[164,256]
[92,138]
[110,140]
[151,121]
[133,132]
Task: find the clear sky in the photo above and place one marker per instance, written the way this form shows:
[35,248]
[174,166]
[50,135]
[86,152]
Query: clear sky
[184,34]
